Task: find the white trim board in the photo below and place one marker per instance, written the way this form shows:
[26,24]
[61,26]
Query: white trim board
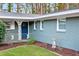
[58,28]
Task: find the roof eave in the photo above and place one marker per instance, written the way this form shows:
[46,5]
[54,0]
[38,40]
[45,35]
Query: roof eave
[69,13]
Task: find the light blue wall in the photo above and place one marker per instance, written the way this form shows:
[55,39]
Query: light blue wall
[68,39]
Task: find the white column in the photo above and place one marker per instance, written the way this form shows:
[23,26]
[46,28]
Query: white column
[19,30]
[28,31]
[12,25]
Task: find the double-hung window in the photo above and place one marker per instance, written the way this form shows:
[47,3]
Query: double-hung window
[40,25]
[61,24]
[9,25]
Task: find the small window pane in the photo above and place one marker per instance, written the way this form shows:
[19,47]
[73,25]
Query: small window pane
[61,24]
[7,25]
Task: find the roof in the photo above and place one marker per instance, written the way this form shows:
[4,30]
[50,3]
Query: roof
[19,16]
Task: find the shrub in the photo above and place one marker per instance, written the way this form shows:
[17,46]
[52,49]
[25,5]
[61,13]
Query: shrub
[2,31]
[31,40]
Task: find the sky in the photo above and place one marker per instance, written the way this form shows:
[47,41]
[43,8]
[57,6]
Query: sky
[14,7]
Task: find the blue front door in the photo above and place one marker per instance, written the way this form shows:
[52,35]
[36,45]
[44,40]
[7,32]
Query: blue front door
[24,30]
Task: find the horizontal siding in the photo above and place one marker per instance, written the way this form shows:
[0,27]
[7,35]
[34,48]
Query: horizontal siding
[68,39]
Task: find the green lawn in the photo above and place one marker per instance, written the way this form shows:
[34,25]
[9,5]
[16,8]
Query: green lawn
[27,50]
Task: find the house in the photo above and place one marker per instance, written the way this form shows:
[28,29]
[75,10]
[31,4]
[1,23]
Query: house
[61,27]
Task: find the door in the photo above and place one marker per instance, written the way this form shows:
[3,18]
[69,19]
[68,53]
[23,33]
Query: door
[24,30]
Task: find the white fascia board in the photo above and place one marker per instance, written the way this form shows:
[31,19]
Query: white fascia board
[10,17]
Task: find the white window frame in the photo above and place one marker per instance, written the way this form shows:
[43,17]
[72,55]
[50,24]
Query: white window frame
[8,25]
[11,25]
[41,25]
[58,24]
[34,25]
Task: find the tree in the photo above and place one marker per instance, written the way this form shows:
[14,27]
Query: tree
[9,7]
[60,6]
[2,31]
[47,8]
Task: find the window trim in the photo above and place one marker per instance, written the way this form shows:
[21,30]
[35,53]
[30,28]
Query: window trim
[58,28]
[11,25]
[34,25]
[8,25]
[41,25]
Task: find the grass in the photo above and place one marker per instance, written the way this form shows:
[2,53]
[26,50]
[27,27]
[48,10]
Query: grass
[30,50]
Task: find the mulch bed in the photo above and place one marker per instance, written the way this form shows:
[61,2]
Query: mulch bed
[10,45]
[61,51]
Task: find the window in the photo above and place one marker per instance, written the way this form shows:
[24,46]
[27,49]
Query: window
[10,25]
[34,25]
[61,24]
[7,25]
[41,25]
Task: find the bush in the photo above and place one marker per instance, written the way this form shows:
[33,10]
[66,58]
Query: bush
[31,40]
[2,31]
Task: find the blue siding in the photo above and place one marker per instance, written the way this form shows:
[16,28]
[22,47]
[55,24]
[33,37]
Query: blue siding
[68,39]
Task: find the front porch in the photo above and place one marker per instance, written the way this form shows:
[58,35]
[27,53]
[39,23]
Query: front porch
[18,31]
[23,30]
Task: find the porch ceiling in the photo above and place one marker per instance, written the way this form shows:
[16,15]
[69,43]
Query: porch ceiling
[32,17]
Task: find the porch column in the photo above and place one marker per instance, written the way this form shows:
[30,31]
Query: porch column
[28,31]
[19,30]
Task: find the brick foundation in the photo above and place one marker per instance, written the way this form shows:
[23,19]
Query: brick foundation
[60,50]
